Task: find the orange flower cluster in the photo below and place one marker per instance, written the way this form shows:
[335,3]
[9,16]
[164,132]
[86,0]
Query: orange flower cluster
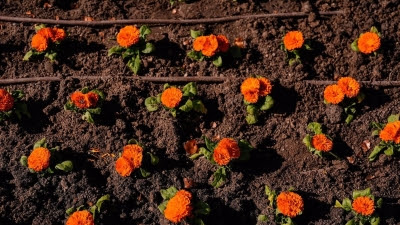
[290,204]
[253,88]
[84,101]
[322,143]
[363,205]
[6,101]
[209,45]
[39,159]
[346,86]
[83,217]
[391,132]
[293,40]
[41,39]
[128,36]
[368,42]
[171,97]
[130,160]
[179,206]
[226,150]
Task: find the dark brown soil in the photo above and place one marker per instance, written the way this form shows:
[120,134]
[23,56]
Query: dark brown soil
[280,161]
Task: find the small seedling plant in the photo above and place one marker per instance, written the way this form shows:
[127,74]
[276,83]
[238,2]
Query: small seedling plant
[363,207]
[11,105]
[222,154]
[368,42]
[86,102]
[131,159]
[287,205]
[46,42]
[132,43]
[212,47]
[318,143]
[176,101]
[180,205]
[294,45]
[44,160]
[389,134]
[85,215]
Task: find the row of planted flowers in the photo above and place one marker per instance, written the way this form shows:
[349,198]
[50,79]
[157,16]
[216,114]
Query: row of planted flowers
[132,43]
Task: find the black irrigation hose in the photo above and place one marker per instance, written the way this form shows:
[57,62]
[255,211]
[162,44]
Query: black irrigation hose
[161,21]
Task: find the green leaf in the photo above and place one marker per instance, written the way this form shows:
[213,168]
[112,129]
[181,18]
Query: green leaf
[190,90]
[173,112]
[85,90]
[307,141]
[195,55]
[101,200]
[271,194]
[24,160]
[349,118]
[133,142]
[209,144]
[187,107]
[198,221]
[268,103]
[245,149]
[51,55]
[167,194]
[354,45]
[21,109]
[149,48]
[144,31]
[70,211]
[95,111]
[389,151]
[315,127]
[218,61]
[206,153]
[346,204]
[360,97]
[351,222]
[262,218]
[144,173]
[374,30]
[38,27]
[18,94]
[219,177]
[393,118]
[376,152]
[65,166]
[134,64]
[116,50]
[93,211]
[162,206]
[153,159]
[130,53]
[151,104]
[375,132]
[307,47]
[195,33]
[379,203]
[251,119]
[201,208]
[375,220]
[252,109]
[28,55]
[235,51]
[88,117]
[338,205]
[166,86]
[198,106]
[40,143]
[99,93]
[359,193]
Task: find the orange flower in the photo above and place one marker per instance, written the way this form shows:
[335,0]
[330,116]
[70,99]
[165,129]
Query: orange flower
[57,34]
[123,166]
[322,143]
[39,42]
[368,42]
[349,86]
[45,32]
[91,99]
[39,159]
[179,207]
[265,86]
[293,40]
[83,217]
[391,132]
[6,101]
[210,47]
[363,205]
[250,89]
[128,36]
[134,154]
[226,150]
[199,42]
[84,101]
[289,204]
[171,97]
[223,43]
[333,94]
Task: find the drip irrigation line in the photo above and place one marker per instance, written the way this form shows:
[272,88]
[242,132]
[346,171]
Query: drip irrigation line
[162,21]
[369,83]
[28,80]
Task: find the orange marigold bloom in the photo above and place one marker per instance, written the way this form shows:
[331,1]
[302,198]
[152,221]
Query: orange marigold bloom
[333,94]
[199,42]
[39,42]
[83,217]
[128,36]
[79,100]
[39,159]
[250,89]
[391,132]
[123,166]
[293,40]
[349,86]
[322,143]
[210,47]
[226,150]
[6,101]
[289,204]
[171,97]
[179,207]
[223,43]
[363,205]
[57,34]
[134,154]
[265,86]
[91,99]
[368,42]
[46,32]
